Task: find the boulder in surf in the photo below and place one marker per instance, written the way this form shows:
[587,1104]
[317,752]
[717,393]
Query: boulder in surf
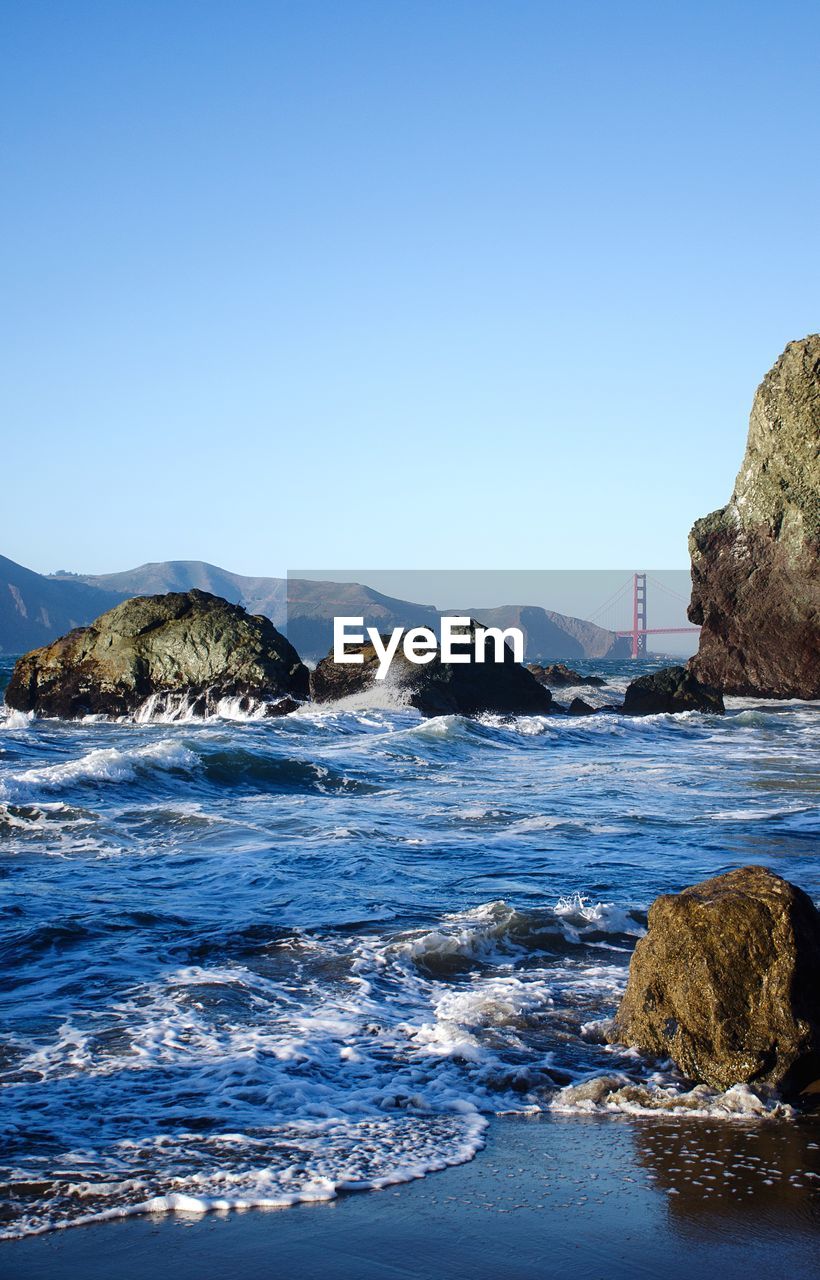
[186,644]
[671,690]
[726,983]
[437,688]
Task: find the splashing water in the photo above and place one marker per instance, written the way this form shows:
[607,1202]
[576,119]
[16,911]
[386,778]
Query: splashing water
[256,961]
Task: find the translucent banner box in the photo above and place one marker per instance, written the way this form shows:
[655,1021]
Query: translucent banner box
[563,614]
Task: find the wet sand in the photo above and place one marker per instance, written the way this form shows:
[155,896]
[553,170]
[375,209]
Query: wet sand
[582,1196]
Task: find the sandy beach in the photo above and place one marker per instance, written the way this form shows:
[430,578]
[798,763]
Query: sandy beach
[597,1197]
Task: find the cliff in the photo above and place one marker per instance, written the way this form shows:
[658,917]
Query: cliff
[756,562]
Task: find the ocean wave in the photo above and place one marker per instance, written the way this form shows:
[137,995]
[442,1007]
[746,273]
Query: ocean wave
[200,761]
[239,767]
[101,765]
[754,813]
[496,930]
[295,956]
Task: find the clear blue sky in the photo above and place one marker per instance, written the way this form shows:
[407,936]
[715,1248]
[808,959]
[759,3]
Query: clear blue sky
[411,284]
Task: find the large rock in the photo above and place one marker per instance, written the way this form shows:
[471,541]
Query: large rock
[727,983]
[578,707]
[437,688]
[185,643]
[756,562]
[673,689]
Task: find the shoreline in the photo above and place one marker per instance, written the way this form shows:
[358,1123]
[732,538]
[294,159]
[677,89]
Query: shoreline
[607,1196]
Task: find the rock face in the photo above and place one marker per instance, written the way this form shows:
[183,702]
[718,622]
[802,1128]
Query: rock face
[558,675]
[673,689]
[727,983]
[184,643]
[756,562]
[438,688]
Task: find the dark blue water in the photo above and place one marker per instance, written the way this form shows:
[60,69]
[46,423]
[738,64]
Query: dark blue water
[252,962]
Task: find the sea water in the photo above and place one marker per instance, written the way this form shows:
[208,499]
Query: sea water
[254,961]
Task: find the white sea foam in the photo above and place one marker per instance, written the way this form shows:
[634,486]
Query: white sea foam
[305,1125]
[11,719]
[618,1093]
[381,696]
[299,1163]
[505,1002]
[577,913]
[103,764]
[471,935]
[186,708]
[754,813]
[380,1074]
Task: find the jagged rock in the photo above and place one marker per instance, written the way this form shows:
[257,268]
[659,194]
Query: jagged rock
[756,562]
[437,688]
[580,708]
[727,983]
[183,643]
[672,689]
[559,675]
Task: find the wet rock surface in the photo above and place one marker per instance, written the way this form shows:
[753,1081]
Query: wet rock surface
[671,690]
[183,644]
[437,688]
[727,983]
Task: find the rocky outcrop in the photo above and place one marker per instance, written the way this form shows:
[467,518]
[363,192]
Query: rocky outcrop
[437,688]
[727,983]
[671,690]
[558,675]
[578,707]
[756,562]
[183,643]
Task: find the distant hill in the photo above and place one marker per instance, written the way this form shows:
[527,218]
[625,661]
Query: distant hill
[548,634]
[312,606]
[35,609]
[258,595]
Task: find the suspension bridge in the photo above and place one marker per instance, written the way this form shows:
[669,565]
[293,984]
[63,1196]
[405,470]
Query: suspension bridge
[634,592]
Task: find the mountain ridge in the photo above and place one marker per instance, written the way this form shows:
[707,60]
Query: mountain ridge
[37,608]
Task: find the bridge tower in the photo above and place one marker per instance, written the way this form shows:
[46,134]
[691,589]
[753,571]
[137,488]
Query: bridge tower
[639,615]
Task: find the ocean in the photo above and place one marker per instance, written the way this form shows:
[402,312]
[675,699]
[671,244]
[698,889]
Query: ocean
[254,962]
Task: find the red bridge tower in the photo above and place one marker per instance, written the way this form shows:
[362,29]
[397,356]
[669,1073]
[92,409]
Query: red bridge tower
[639,615]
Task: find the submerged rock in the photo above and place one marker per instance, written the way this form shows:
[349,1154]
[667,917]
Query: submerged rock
[578,707]
[756,562]
[437,688]
[727,983]
[671,690]
[559,675]
[184,644]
